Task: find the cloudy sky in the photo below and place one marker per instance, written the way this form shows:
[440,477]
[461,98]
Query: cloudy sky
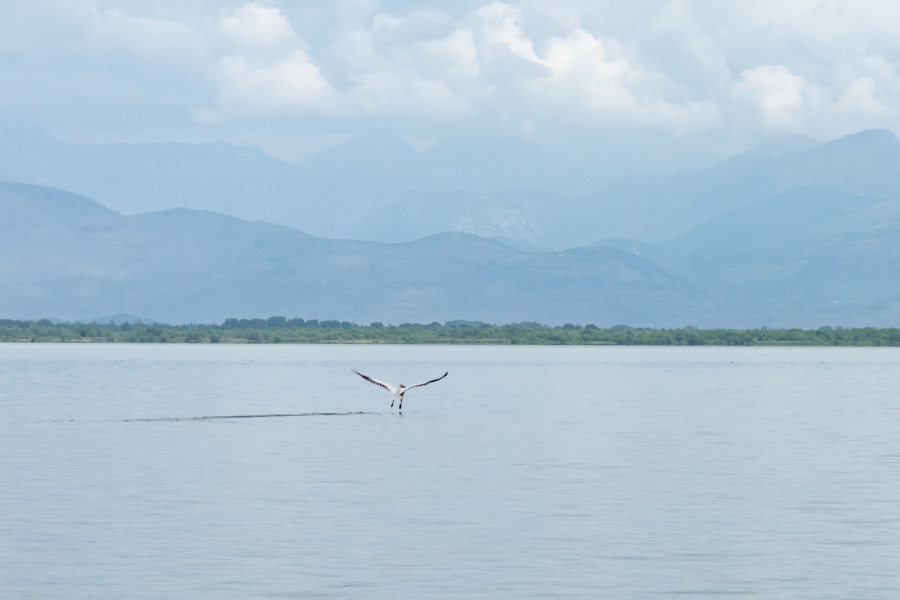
[293,77]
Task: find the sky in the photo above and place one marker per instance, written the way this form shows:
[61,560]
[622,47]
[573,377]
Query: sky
[296,77]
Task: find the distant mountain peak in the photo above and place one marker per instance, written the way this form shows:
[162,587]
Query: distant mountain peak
[364,146]
[781,146]
[19,133]
[869,137]
[456,237]
[379,158]
[58,200]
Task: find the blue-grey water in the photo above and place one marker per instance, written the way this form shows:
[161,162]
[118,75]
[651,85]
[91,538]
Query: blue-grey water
[530,472]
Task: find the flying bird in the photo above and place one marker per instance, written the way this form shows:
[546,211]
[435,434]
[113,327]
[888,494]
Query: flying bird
[400,389]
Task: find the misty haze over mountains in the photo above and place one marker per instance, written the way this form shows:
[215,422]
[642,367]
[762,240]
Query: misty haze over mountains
[791,233]
[372,188]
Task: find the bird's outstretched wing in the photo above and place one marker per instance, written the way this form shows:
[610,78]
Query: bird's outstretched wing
[386,386]
[431,381]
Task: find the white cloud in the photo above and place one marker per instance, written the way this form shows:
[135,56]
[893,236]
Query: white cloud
[860,99]
[290,84]
[775,92]
[455,57]
[678,72]
[265,69]
[820,68]
[147,37]
[259,29]
[417,26]
[582,78]
[80,34]
[854,99]
[390,93]
[418,78]
[500,30]
[381,70]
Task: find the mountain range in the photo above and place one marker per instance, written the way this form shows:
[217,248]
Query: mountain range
[70,258]
[374,187]
[791,233]
[381,189]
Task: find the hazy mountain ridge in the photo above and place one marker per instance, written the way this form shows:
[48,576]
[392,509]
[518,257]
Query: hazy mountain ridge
[652,209]
[184,265]
[381,189]
[657,209]
[805,254]
[793,232]
[339,192]
[375,187]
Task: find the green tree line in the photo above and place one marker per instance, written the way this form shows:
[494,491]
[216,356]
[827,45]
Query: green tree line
[280,330]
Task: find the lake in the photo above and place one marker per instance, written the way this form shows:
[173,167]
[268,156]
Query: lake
[529,472]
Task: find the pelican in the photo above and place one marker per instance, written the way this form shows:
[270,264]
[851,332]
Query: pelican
[398,390]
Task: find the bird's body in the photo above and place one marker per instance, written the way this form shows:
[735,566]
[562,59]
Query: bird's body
[397,391]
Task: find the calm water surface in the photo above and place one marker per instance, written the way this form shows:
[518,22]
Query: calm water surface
[530,472]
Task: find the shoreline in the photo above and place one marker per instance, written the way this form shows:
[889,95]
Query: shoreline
[436,334]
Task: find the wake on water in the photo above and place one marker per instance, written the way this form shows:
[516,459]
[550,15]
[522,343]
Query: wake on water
[277,415]
[219,417]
